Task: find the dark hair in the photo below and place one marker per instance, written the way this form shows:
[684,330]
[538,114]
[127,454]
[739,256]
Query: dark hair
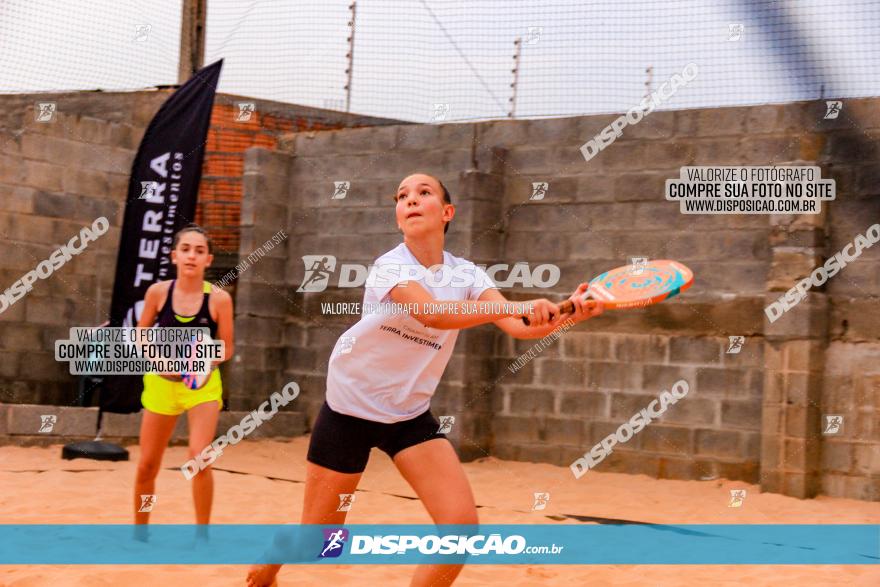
[446,198]
[192,227]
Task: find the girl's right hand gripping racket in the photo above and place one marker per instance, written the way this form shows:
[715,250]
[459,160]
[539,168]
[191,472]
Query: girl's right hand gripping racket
[635,285]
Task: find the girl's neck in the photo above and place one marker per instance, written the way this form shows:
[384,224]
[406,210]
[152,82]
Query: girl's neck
[189,283]
[428,252]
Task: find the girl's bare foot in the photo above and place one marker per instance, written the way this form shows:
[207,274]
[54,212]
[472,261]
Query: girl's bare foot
[263,575]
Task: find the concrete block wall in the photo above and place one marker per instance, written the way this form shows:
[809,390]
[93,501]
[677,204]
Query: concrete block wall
[263,299]
[55,179]
[59,176]
[581,389]
[849,462]
[752,415]
[22,425]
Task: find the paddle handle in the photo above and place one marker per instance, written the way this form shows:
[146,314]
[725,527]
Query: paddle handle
[566,307]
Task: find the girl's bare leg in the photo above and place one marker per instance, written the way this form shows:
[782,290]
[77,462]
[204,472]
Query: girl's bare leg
[202,420]
[156,430]
[320,503]
[433,470]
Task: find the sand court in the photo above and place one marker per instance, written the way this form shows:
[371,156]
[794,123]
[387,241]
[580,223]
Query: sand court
[262,482]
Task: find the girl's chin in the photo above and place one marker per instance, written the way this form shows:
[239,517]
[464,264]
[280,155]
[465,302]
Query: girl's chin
[419,230]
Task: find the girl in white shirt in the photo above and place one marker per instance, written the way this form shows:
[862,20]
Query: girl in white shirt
[384,370]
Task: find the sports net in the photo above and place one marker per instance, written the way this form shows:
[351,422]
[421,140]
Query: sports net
[456,60]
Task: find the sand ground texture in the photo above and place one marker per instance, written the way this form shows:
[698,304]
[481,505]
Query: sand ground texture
[37,486]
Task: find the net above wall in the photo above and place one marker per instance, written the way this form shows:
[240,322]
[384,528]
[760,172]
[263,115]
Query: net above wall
[455,60]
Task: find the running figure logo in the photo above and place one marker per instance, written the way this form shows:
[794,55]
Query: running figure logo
[318,271]
[439,112]
[637,265]
[334,540]
[245,111]
[735,31]
[45,111]
[832,109]
[147,503]
[533,35]
[736,344]
[47,423]
[541,500]
[340,190]
[141,32]
[345,344]
[833,424]
[539,190]
[149,189]
[737,497]
[446,423]
[346,500]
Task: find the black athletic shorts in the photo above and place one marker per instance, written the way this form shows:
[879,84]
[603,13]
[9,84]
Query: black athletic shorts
[342,443]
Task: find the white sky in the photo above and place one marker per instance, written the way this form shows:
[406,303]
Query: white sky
[591,56]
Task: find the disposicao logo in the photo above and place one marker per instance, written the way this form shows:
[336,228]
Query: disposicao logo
[334,540]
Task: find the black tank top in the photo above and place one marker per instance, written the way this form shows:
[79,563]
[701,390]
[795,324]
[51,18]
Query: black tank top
[202,319]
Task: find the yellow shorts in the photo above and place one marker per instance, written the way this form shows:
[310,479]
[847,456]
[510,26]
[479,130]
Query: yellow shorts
[172,398]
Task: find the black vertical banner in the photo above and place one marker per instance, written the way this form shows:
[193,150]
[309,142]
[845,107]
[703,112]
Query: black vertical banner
[162,197]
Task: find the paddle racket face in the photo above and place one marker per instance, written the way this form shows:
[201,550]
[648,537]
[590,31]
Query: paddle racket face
[640,285]
[192,378]
[195,380]
[635,286]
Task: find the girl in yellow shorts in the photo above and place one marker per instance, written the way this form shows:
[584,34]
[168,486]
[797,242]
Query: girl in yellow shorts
[188,301]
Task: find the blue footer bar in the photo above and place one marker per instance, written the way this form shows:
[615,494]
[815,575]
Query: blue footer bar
[517,544]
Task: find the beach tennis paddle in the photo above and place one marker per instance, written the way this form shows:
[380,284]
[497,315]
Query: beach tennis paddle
[195,380]
[635,285]
[190,378]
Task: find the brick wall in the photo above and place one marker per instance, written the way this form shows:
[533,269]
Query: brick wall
[57,177]
[220,191]
[753,416]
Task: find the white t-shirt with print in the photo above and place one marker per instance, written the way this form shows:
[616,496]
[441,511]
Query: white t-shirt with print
[387,366]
